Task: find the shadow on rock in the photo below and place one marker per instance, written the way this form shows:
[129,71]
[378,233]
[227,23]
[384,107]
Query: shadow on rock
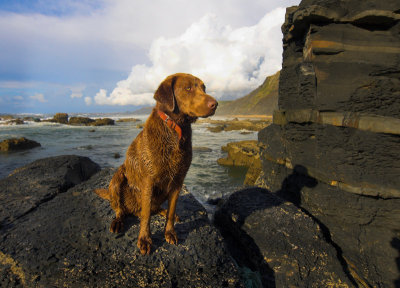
[294,183]
[276,239]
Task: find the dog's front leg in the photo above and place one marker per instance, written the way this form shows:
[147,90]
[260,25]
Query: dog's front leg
[170,234]
[144,240]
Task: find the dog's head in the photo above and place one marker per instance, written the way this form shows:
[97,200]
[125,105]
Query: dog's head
[186,94]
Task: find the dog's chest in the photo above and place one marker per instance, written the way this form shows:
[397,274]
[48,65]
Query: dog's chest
[176,160]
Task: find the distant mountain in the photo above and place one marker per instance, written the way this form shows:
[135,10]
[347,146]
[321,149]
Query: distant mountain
[261,101]
[143,111]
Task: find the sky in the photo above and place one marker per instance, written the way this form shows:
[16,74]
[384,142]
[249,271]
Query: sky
[110,56]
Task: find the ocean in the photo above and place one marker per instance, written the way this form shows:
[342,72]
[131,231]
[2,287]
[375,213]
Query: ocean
[205,179]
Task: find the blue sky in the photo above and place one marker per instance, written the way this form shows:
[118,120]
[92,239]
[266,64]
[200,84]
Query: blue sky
[109,56]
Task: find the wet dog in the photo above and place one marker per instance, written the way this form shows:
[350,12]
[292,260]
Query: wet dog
[158,159]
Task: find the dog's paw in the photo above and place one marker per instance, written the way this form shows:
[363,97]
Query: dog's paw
[170,237]
[144,245]
[116,225]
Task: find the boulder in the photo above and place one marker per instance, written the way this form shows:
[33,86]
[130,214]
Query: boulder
[102,122]
[85,121]
[64,240]
[15,144]
[61,118]
[80,121]
[15,122]
[32,119]
[279,241]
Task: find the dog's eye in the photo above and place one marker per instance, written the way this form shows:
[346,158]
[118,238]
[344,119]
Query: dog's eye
[188,88]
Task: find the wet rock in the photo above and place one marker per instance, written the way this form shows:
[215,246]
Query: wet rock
[15,122]
[80,121]
[124,120]
[32,119]
[65,241]
[15,144]
[102,122]
[279,241]
[85,121]
[243,154]
[61,118]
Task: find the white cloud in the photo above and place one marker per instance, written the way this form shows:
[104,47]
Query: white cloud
[38,97]
[230,61]
[88,101]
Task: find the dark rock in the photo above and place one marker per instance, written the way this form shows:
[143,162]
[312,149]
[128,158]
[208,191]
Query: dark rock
[15,122]
[333,147]
[66,242]
[102,122]
[80,121]
[31,185]
[282,243]
[33,119]
[117,155]
[15,144]
[61,118]
[85,121]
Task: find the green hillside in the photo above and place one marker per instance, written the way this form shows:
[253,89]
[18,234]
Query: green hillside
[261,101]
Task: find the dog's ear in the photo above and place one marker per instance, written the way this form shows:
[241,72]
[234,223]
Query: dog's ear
[165,93]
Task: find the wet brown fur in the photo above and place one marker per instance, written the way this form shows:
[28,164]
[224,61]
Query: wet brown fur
[157,161]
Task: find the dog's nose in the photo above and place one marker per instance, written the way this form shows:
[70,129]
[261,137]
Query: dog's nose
[212,104]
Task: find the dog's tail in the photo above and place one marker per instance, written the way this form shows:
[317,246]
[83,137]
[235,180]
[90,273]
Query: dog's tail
[103,193]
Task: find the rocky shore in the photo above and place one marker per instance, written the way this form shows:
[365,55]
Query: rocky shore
[55,232]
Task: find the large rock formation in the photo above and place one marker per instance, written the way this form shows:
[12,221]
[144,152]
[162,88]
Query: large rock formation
[338,126]
[56,235]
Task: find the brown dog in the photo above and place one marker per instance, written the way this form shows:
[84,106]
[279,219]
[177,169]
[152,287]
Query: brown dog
[158,159]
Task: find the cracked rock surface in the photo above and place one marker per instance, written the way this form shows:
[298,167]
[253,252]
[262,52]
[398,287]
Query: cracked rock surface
[65,240]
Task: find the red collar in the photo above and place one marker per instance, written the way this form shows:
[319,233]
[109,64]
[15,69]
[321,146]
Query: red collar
[170,123]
